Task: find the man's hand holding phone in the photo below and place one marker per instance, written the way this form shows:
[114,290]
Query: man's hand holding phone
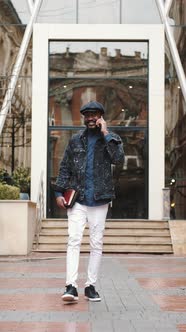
[101,123]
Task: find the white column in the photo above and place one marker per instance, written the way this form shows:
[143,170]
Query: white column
[39,110]
[156,124]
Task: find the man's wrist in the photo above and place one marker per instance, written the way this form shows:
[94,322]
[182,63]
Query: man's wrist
[58,194]
[108,137]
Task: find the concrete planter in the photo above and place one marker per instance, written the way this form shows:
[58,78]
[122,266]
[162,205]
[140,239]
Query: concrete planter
[178,236]
[17,226]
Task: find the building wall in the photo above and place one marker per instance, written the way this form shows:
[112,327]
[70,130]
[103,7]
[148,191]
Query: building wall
[175,118]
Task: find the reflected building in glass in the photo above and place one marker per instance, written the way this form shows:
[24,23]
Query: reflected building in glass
[100,71]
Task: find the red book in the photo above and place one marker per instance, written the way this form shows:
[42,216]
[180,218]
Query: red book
[70,196]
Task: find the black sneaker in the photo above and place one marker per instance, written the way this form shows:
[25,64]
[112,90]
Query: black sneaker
[91,294]
[70,294]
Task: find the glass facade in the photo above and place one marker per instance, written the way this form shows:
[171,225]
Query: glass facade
[115,74]
[67,83]
[92,11]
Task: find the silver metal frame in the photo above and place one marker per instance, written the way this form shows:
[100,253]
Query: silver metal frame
[164,9]
[30,5]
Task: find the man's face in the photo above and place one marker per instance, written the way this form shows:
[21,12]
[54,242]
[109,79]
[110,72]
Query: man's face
[90,118]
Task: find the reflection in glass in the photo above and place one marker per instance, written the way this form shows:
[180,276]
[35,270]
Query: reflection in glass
[135,12]
[175,118]
[15,140]
[125,101]
[177,13]
[55,11]
[130,180]
[70,55]
[115,74]
[58,140]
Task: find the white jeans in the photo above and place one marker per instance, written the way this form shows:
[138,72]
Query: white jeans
[77,218]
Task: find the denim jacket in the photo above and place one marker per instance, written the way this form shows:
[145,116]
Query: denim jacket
[73,165]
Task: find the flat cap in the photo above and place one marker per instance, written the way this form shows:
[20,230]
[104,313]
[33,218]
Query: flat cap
[92,105]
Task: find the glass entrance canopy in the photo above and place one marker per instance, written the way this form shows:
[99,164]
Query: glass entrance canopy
[92,11]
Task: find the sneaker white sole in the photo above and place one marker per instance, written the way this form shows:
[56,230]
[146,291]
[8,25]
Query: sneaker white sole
[92,299]
[69,298]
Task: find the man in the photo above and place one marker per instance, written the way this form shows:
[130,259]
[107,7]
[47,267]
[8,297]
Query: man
[86,167]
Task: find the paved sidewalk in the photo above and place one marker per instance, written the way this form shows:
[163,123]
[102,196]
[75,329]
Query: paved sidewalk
[140,293]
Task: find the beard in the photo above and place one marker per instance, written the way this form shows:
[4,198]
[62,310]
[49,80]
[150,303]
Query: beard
[90,124]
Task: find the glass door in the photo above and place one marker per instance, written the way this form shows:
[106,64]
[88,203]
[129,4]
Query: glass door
[115,74]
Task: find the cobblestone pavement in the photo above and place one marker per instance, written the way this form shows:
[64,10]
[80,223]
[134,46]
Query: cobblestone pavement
[140,293]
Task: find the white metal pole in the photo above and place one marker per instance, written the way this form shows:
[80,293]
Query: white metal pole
[30,5]
[168,4]
[18,64]
[172,44]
